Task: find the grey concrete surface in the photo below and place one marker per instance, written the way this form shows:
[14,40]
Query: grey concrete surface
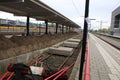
[104,60]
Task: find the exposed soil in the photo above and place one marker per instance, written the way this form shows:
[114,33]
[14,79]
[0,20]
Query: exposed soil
[6,43]
[20,44]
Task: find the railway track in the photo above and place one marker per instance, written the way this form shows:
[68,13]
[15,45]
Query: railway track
[114,41]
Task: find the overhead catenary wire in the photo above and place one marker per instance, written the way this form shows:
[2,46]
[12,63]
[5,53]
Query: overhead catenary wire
[117,4]
[75,8]
[74,5]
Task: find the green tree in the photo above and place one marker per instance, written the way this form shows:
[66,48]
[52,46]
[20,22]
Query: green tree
[103,30]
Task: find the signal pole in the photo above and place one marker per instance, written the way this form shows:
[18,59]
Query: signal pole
[84,40]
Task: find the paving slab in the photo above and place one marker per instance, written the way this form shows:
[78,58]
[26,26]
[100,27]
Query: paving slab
[77,37]
[61,51]
[74,40]
[70,44]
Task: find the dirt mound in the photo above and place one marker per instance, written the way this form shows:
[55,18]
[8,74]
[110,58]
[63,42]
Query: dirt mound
[18,45]
[6,43]
[23,40]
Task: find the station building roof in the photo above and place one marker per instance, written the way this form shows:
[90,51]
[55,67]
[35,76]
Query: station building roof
[35,9]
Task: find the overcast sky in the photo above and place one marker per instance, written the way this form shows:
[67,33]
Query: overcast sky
[74,10]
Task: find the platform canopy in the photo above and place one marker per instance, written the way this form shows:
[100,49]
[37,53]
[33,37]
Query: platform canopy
[35,9]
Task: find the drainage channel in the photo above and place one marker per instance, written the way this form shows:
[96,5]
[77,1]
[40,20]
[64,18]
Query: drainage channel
[56,60]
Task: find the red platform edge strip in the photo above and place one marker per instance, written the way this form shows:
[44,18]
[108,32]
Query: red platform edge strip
[87,65]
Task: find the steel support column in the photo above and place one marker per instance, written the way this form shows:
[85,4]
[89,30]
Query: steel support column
[62,29]
[84,40]
[66,29]
[27,26]
[46,22]
[39,29]
[69,28]
[56,28]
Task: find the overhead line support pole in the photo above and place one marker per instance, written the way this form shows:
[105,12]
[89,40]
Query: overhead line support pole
[84,40]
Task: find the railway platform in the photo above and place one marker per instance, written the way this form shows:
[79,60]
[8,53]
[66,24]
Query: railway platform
[104,60]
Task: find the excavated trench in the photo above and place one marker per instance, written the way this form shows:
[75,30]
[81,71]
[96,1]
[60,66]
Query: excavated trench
[53,63]
[18,45]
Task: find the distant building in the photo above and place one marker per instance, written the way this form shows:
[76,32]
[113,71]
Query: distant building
[115,22]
